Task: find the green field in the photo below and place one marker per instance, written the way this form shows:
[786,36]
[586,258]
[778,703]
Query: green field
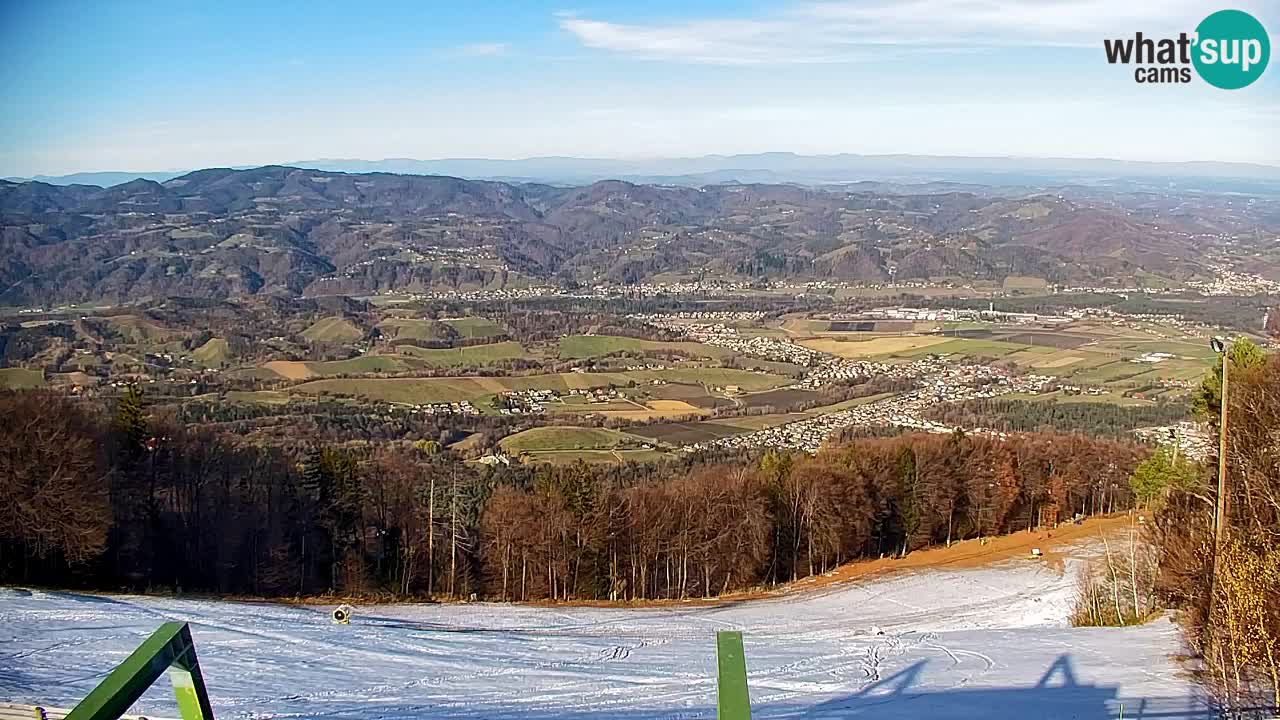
[359,366]
[139,330]
[719,377]
[410,358]
[566,437]
[401,390]
[771,366]
[1109,373]
[412,329]
[454,389]
[587,346]
[333,329]
[1182,348]
[474,327]
[471,355]
[214,353]
[21,378]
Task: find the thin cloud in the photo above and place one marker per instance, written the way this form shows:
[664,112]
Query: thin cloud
[834,31]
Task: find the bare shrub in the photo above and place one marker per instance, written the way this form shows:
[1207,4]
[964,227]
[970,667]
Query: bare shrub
[1119,588]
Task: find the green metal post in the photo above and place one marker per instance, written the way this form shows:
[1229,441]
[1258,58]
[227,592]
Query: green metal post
[732,700]
[168,649]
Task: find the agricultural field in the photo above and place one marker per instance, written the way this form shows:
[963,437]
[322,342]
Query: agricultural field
[695,395]
[20,378]
[288,369]
[468,355]
[567,437]
[685,433]
[333,330]
[589,346]
[474,327]
[804,326]
[214,353]
[410,357]
[624,408]
[966,347]
[1110,373]
[846,404]
[771,366]
[414,329]
[1055,363]
[656,410]
[1184,349]
[871,347]
[1036,338]
[779,398]
[402,390]
[455,389]
[138,330]
[358,366]
[1025,283]
[746,380]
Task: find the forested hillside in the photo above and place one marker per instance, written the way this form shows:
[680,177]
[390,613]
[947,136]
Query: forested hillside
[283,231]
[111,498]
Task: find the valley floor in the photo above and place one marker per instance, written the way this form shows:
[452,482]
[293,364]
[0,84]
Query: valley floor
[987,642]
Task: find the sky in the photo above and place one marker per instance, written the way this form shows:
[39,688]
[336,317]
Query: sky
[151,85]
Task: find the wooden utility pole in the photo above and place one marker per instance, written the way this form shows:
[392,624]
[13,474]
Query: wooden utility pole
[1220,512]
[1220,509]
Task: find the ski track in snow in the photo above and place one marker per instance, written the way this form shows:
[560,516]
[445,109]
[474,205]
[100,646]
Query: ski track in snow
[987,643]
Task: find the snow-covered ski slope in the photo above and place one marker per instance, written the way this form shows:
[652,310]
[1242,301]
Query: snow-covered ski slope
[988,643]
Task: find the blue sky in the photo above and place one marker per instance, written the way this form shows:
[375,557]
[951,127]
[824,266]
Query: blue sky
[142,85]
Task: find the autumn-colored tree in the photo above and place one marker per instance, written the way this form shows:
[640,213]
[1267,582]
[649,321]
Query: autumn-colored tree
[53,477]
[222,515]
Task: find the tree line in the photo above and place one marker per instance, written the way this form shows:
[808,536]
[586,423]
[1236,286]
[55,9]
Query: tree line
[1093,418]
[111,498]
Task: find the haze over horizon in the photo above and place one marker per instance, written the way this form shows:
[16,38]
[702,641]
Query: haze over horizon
[153,87]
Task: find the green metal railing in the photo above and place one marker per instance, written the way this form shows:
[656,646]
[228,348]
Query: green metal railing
[169,649]
[732,699]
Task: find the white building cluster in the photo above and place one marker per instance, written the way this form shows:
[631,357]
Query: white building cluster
[463,407]
[721,335]
[1232,282]
[949,383]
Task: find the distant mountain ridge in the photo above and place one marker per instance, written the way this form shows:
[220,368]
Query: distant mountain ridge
[774,167]
[291,232]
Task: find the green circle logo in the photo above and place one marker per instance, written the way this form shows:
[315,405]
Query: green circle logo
[1232,49]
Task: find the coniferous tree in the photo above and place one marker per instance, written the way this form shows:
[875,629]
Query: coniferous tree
[909,505]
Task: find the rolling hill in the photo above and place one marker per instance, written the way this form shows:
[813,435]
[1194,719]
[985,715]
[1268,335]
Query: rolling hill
[290,232]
